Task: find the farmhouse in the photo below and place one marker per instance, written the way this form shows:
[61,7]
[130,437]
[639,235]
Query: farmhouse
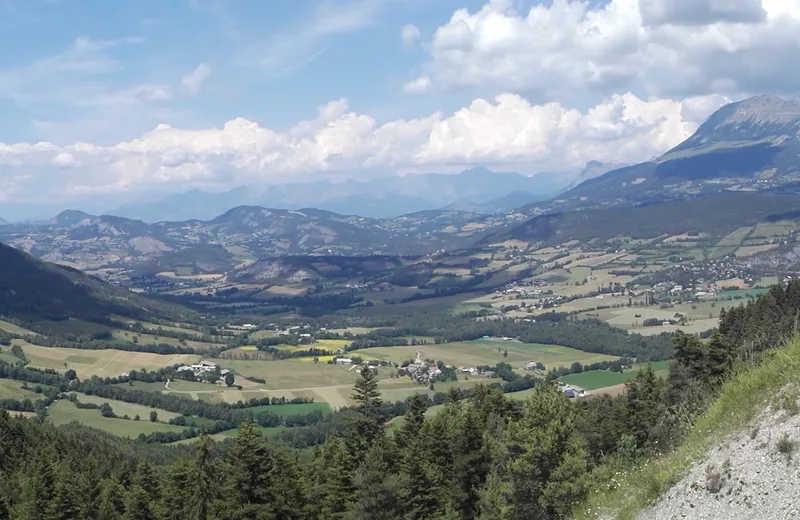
[344,361]
[204,366]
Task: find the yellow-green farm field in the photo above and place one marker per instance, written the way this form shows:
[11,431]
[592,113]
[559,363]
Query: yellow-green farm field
[153,339]
[485,352]
[121,408]
[64,412]
[293,373]
[102,363]
[14,329]
[10,389]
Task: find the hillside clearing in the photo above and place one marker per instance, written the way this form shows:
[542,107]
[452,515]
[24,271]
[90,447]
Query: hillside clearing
[64,412]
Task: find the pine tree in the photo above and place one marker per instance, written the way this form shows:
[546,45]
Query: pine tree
[251,467]
[720,357]
[547,468]
[332,480]
[470,463]
[377,490]
[644,403]
[65,502]
[205,485]
[367,423]
[413,420]
[138,505]
[112,501]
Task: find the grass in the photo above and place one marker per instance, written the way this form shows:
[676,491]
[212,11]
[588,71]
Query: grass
[594,379]
[292,409]
[64,412]
[154,339]
[10,389]
[485,352]
[737,406]
[14,329]
[292,373]
[102,363]
[130,409]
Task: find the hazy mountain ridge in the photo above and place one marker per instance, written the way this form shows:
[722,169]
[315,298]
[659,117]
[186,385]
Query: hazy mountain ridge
[384,197]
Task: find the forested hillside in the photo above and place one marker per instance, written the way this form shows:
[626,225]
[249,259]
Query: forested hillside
[33,290]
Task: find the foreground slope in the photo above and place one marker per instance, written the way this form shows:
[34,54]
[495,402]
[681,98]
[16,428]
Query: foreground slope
[34,290]
[738,462]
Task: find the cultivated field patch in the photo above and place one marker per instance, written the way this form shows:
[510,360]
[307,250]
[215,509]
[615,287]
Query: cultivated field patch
[489,352]
[64,412]
[101,363]
[11,389]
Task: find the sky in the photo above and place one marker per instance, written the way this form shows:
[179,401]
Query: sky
[127,100]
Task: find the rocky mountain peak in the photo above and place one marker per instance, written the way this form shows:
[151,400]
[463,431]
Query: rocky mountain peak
[759,118]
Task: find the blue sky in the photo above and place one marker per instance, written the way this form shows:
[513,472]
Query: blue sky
[113,100]
[270,61]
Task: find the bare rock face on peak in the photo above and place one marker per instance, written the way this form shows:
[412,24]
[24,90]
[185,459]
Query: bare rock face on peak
[750,145]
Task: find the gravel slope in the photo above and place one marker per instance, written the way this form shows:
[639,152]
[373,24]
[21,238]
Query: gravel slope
[752,475]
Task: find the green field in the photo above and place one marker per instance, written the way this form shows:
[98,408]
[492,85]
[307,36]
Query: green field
[291,409]
[64,412]
[485,352]
[14,329]
[7,356]
[153,339]
[122,408]
[594,379]
[292,373]
[11,389]
[102,363]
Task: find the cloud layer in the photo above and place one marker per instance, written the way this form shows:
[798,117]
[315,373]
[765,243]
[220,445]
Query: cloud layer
[505,130]
[661,48]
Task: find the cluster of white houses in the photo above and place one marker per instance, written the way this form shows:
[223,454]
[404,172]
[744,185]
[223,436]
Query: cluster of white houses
[204,367]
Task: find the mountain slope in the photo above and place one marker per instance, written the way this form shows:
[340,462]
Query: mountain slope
[508,202]
[748,145]
[31,289]
[713,215]
[3,222]
[242,234]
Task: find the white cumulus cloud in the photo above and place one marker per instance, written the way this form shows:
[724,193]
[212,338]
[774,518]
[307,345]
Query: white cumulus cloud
[662,48]
[409,35]
[506,130]
[194,80]
[418,85]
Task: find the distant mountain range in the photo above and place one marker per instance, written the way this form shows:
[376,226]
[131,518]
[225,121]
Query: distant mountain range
[749,147]
[384,197]
[3,222]
[238,236]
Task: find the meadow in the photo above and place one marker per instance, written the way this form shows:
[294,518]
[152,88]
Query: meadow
[595,379]
[489,352]
[64,412]
[101,363]
[15,329]
[11,389]
[130,409]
